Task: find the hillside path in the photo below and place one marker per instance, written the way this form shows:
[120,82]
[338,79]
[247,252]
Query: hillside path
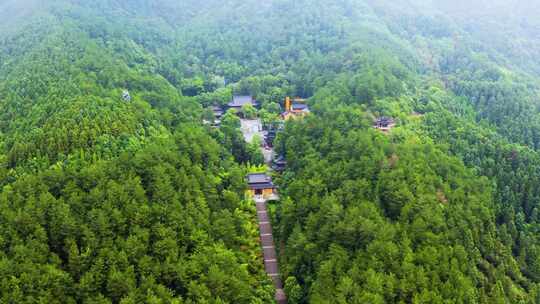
[251,128]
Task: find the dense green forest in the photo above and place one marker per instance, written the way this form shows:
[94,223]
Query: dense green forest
[111,200]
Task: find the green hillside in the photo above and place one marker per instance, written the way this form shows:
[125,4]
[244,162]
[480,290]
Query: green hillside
[110,200]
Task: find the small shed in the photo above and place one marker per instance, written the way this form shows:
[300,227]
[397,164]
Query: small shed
[384,123]
[126,96]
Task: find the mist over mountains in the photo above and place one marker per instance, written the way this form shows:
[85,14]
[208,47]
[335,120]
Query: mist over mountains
[412,178]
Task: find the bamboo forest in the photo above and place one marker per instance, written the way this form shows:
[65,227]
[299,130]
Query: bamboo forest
[276,151]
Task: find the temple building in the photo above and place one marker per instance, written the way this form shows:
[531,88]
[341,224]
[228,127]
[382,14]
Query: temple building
[384,123]
[239,101]
[270,137]
[260,186]
[279,164]
[295,108]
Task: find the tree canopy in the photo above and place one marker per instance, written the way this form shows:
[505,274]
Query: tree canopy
[105,199]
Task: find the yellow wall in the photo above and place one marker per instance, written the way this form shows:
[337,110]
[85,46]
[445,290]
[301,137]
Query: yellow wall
[293,115]
[288,115]
[266,193]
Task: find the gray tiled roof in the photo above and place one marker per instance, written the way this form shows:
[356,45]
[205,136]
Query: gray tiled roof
[299,107]
[239,101]
[257,178]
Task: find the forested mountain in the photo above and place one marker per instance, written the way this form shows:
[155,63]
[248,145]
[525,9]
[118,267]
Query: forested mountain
[106,199]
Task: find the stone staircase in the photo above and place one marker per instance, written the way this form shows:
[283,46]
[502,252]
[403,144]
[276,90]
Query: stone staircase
[269,251]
